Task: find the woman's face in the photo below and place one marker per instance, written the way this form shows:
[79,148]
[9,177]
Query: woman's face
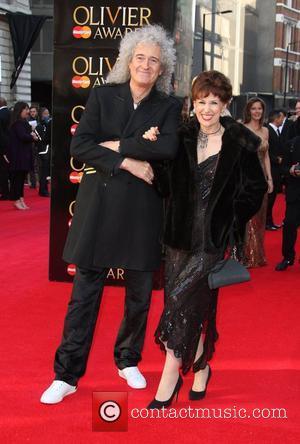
[45,114]
[208,110]
[256,111]
[145,66]
[25,113]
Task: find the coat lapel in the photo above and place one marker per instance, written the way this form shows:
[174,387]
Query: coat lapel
[123,105]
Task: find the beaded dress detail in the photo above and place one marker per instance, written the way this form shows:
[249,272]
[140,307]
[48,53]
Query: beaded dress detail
[190,305]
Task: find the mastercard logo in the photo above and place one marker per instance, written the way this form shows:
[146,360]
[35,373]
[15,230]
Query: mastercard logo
[71,270]
[75,177]
[82,32]
[81,82]
[73,128]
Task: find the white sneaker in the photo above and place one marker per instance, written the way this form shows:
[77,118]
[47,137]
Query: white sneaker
[134,377]
[56,392]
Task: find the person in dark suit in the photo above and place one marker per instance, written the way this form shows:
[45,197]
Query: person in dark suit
[275,152]
[43,146]
[291,169]
[216,185]
[4,126]
[119,208]
[285,129]
[19,153]
[294,130]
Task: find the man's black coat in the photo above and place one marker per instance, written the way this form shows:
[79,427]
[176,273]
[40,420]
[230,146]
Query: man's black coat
[291,157]
[275,151]
[118,217]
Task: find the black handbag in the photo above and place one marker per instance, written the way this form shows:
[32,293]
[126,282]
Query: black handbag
[227,272]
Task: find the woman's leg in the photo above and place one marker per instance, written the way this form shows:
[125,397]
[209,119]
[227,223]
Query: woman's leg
[169,376]
[200,377]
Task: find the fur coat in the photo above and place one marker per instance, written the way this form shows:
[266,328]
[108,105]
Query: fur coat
[236,195]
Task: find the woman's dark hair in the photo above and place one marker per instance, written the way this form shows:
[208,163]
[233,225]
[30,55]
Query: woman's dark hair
[249,104]
[212,82]
[18,108]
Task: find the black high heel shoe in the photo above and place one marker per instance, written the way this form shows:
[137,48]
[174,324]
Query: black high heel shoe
[160,404]
[196,396]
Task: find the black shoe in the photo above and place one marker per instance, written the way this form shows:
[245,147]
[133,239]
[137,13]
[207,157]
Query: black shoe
[160,404]
[283,265]
[272,227]
[4,198]
[194,395]
[277,226]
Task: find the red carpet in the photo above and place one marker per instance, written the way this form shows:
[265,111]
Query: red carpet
[256,364]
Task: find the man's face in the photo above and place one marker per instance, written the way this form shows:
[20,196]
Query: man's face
[281,119]
[33,113]
[145,66]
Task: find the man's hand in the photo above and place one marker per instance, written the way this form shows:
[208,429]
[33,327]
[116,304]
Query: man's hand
[151,134]
[139,168]
[34,136]
[111,144]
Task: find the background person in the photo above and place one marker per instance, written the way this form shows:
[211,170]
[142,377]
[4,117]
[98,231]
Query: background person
[21,138]
[254,251]
[276,154]
[44,150]
[291,169]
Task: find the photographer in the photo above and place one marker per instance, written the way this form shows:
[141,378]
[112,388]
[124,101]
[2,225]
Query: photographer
[291,169]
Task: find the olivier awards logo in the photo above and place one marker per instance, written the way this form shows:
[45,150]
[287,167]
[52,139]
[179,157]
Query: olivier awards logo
[91,71]
[108,22]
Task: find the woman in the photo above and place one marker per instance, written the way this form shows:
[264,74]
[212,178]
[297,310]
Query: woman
[20,159]
[119,213]
[216,185]
[254,251]
[43,147]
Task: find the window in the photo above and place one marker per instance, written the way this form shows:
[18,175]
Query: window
[287,34]
[44,42]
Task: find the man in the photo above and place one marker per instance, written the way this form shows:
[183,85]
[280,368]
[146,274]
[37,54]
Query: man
[285,129]
[4,125]
[118,216]
[33,120]
[276,118]
[291,168]
[295,128]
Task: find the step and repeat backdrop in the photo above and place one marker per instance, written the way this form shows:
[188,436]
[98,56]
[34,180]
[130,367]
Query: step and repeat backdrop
[86,40]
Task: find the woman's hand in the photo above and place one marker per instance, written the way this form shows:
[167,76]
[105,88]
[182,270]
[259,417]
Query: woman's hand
[139,168]
[113,145]
[151,134]
[270,185]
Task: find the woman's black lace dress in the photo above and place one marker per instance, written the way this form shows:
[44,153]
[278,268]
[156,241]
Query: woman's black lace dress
[190,305]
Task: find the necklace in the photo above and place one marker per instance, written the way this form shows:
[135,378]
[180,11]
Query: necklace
[137,98]
[203,139]
[209,134]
